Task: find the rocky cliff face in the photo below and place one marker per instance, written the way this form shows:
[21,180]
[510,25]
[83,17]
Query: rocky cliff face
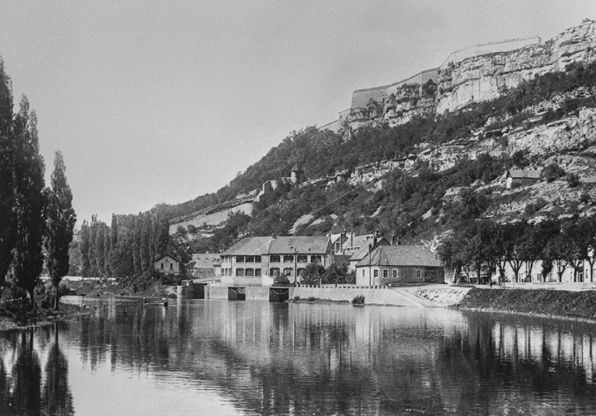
[463,79]
[486,77]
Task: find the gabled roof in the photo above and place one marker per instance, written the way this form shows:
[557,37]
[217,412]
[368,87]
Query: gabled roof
[256,246]
[205,261]
[364,248]
[417,256]
[167,255]
[300,244]
[251,246]
[356,241]
[523,174]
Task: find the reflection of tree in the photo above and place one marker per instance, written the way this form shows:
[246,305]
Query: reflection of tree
[57,399]
[27,379]
[4,391]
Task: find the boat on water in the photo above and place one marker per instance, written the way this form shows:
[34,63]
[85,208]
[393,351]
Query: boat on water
[162,302]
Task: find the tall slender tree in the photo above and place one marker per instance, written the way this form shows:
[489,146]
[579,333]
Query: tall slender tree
[7,148]
[30,202]
[61,220]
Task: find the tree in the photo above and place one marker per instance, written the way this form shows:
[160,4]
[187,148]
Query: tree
[7,148]
[30,202]
[61,219]
[312,274]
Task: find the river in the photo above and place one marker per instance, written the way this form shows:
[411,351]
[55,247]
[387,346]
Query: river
[211,357]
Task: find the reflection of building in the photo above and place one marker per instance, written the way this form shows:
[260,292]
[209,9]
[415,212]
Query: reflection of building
[398,264]
[167,265]
[255,257]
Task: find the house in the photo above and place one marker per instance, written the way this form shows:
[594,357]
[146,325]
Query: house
[385,265]
[167,265]
[257,260]
[519,177]
[359,246]
[204,265]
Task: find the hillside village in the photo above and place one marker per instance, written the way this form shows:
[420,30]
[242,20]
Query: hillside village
[498,134]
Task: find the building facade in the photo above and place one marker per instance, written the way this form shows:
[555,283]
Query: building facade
[255,260]
[167,265]
[386,265]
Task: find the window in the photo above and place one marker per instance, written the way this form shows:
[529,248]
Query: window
[337,246]
[363,272]
[240,272]
[288,271]
[249,259]
[395,273]
[385,273]
[300,272]
[418,273]
[239,259]
[274,271]
[162,266]
[315,259]
[257,259]
[274,259]
[249,273]
[257,272]
[376,273]
[288,259]
[302,258]
[171,266]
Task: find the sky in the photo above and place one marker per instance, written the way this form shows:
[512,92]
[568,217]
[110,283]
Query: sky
[162,101]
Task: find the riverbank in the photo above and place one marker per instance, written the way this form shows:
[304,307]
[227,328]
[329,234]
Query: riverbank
[13,320]
[543,302]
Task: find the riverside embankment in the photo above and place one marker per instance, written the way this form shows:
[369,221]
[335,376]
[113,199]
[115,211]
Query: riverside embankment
[546,302]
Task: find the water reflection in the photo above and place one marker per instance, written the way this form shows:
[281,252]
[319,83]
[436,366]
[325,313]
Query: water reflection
[256,357]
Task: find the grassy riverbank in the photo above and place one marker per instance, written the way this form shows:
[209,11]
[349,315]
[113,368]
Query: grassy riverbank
[559,303]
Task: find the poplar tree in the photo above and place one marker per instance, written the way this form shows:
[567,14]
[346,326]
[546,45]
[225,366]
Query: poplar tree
[30,202]
[85,234]
[61,219]
[7,144]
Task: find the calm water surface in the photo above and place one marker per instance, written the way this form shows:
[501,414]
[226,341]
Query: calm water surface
[245,358]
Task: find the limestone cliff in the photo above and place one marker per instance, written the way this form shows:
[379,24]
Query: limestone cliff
[486,77]
[470,75]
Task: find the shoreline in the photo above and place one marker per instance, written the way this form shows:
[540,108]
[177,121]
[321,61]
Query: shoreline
[43,317]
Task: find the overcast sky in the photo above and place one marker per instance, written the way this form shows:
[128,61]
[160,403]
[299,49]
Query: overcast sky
[163,101]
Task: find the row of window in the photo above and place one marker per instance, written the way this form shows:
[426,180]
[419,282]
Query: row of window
[300,258]
[250,272]
[386,273]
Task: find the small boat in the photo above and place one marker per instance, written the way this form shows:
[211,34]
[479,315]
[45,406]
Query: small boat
[163,302]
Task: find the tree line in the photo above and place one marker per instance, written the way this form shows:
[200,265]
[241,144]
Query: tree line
[484,247]
[36,222]
[125,249]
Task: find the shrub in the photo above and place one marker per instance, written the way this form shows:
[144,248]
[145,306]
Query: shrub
[573,180]
[358,300]
[552,172]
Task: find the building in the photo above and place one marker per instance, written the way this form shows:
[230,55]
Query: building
[386,265]
[519,177]
[167,265]
[359,246]
[258,260]
[204,266]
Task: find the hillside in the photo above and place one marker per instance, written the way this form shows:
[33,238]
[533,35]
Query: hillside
[424,156]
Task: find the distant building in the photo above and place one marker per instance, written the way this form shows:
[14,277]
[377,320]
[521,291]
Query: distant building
[254,260]
[519,177]
[167,265]
[386,264]
[204,265]
[358,247]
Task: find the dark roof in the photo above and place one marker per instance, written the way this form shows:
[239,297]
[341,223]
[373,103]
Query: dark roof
[364,248]
[252,246]
[417,256]
[300,244]
[524,174]
[256,246]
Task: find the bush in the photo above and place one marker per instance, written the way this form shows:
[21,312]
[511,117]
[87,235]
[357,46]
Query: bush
[552,172]
[573,180]
[358,300]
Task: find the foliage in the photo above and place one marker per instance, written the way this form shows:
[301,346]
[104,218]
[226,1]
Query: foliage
[61,220]
[552,172]
[358,300]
